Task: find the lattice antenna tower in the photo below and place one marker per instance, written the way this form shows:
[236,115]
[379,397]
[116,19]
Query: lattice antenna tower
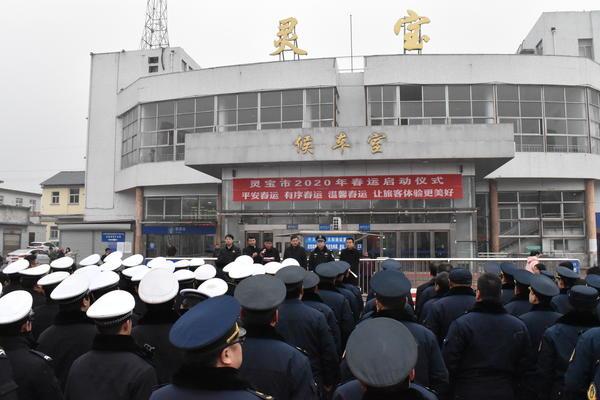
[155,29]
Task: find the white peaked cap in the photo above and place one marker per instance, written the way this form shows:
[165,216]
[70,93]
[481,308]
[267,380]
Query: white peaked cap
[241,271]
[205,272]
[244,260]
[112,305]
[36,271]
[53,278]
[184,275]
[258,269]
[272,267]
[133,260]
[158,286]
[290,261]
[181,264]
[63,263]
[114,255]
[15,306]
[15,267]
[196,262]
[213,287]
[89,260]
[103,280]
[71,287]
[155,262]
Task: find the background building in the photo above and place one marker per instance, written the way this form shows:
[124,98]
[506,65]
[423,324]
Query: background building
[441,155]
[63,199]
[19,220]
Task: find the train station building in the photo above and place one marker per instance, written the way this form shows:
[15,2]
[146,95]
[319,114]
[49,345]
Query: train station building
[449,155]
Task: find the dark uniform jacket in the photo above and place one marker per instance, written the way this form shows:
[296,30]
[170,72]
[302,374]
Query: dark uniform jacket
[43,317]
[537,321]
[370,306]
[353,301]
[519,304]
[315,301]
[427,294]
[508,291]
[193,383]
[456,302]
[341,308]
[352,257]
[304,327]
[430,370]
[583,365]
[426,308]
[353,390]
[319,256]
[31,369]
[8,387]
[558,343]
[227,255]
[420,289]
[560,302]
[487,353]
[269,255]
[116,368]
[249,250]
[298,253]
[70,336]
[272,366]
[153,330]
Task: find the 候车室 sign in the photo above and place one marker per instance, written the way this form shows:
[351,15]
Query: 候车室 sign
[381,187]
[334,243]
[108,237]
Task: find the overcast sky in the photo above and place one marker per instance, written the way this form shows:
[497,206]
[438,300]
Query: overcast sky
[45,64]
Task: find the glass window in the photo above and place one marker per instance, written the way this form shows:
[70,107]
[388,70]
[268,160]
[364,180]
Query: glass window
[166,108]
[248,100]
[531,109]
[530,93]
[74,196]
[460,108]
[556,126]
[508,92]
[554,93]
[205,104]
[270,99]
[185,106]
[173,206]
[459,92]
[508,109]
[154,207]
[555,110]
[482,92]
[55,198]
[410,93]
[435,109]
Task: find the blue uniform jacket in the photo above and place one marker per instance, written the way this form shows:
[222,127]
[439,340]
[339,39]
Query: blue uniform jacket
[508,291]
[456,302]
[487,353]
[341,308]
[583,365]
[519,304]
[560,302]
[537,321]
[315,301]
[353,390]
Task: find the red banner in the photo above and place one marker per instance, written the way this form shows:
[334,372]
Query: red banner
[381,187]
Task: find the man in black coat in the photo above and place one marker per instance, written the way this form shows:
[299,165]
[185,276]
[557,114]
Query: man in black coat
[158,289]
[583,365]
[306,328]
[72,332]
[327,273]
[487,349]
[31,370]
[352,256]
[559,340]
[542,315]
[45,313]
[270,364]
[269,253]
[428,292]
[295,251]
[433,271]
[8,387]
[350,292]
[227,254]
[519,304]
[508,281]
[459,299]
[320,254]
[442,285]
[566,279]
[252,251]
[116,367]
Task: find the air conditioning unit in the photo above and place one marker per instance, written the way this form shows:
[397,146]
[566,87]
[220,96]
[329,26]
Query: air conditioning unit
[337,223]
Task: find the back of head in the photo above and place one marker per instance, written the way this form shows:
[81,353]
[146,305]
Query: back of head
[442,282]
[433,269]
[489,287]
[444,267]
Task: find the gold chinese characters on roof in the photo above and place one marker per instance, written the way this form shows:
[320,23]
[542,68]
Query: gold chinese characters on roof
[411,25]
[287,39]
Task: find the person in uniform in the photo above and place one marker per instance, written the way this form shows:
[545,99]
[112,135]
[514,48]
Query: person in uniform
[295,251]
[442,285]
[29,278]
[270,364]
[102,283]
[519,304]
[306,328]
[45,313]
[566,279]
[227,254]
[211,340]
[158,289]
[311,298]
[487,350]
[428,292]
[72,332]
[391,288]
[116,368]
[433,271]
[350,292]
[8,387]
[559,340]
[352,256]
[14,278]
[252,251]
[508,281]
[458,300]
[269,253]
[31,370]
[320,254]
[327,273]
[541,315]
[583,366]
[382,354]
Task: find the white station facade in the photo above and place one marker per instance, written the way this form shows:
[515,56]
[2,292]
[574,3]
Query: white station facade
[437,155]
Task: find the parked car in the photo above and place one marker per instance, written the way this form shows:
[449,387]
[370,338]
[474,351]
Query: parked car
[46,246]
[42,255]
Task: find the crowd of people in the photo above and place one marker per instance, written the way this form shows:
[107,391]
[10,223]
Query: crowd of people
[258,325]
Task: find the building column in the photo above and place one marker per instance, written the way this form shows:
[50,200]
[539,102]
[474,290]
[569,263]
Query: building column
[494,217]
[139,216]
[590,222]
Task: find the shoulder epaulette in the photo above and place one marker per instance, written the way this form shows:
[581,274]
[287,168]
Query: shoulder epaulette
[301,350]
[261,395]
[46,357]
[3,353]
